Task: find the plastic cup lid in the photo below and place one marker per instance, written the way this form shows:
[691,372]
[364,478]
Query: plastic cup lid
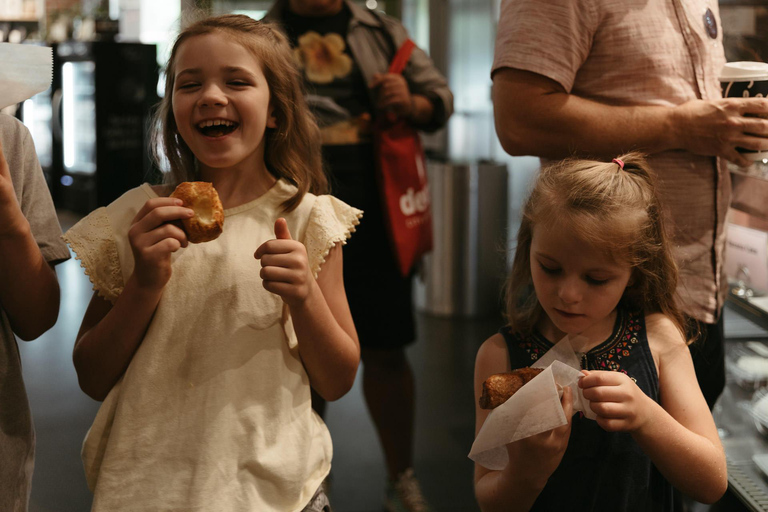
[744,70]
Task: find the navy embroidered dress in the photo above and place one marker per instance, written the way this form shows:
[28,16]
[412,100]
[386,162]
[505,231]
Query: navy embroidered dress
[602,471]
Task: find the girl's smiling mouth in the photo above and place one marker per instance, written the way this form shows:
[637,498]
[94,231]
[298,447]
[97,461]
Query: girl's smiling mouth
[216,127]
[567,314]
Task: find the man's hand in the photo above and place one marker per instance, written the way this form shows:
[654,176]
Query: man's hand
[536,116]
[717,128]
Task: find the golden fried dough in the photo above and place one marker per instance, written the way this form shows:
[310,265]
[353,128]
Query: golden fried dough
[208,221]
[499,387]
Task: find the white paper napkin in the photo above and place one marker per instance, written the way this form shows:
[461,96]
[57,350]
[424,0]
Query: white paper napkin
[25,70]
[535,408]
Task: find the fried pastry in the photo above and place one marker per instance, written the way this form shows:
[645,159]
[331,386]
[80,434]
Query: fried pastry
[208,222]
[499,387]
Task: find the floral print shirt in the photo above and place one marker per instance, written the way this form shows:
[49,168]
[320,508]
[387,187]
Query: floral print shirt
[337,92]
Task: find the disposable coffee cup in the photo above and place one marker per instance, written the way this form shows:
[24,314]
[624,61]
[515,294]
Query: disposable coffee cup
[746,79]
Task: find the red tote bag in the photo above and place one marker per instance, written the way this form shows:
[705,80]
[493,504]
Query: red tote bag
[402,177]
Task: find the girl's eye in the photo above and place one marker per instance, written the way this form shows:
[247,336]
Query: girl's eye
[187,86]
[238,83]
[549,270]
[596,282]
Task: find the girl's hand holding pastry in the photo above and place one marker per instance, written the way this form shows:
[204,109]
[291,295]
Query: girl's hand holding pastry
[285,266]
[541,454]
[153,237]
[620,405]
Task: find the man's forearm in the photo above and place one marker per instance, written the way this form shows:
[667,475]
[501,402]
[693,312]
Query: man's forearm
[535,116]
[532,120]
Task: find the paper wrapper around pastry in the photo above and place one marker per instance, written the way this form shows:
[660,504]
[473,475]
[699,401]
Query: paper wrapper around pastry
[535,408]
[208,221]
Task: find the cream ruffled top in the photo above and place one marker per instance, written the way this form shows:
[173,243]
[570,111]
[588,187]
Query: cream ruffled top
[213,412]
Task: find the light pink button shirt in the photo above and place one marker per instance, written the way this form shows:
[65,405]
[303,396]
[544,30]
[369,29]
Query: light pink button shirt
[633,52]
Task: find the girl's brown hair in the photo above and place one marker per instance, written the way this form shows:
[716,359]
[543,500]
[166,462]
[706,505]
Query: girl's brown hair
[607,207]
[292,150]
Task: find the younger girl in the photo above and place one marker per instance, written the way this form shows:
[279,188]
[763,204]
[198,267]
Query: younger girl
[592,259]
[204,358]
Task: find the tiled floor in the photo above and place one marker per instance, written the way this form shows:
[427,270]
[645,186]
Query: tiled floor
[443,360]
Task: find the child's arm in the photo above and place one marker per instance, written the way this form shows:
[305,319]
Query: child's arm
[29,290]
[327,337]
[679,435]
[110,334]
[531,460]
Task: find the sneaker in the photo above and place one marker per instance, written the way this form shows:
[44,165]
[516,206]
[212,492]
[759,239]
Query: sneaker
[404,494]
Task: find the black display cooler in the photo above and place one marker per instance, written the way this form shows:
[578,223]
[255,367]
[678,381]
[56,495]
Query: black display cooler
[101,100]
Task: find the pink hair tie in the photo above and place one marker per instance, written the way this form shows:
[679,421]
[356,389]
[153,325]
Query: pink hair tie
[618,162]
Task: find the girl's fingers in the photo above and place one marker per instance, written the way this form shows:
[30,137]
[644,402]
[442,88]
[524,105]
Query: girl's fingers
[153,203]
[157,253]
[161,215]
[166,245]
[286,260]
[279,288]
[601,378]
[609,424]
[163,232]
[567,401]
[604,394]
[275,247]
[277,274]
[608,409]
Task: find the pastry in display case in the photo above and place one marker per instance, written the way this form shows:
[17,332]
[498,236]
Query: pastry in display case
[747,363]
[759,407]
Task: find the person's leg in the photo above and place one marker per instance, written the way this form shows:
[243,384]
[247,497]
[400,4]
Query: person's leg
[708,353]
[380,302]
[388,386]
[319,502]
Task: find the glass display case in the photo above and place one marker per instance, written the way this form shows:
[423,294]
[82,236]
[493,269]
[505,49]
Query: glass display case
[36,114]
[741,413]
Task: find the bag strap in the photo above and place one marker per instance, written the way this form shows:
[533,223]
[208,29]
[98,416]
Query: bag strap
[401,57]
[402,54]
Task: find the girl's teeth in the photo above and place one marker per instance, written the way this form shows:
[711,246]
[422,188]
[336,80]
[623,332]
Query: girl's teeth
[215,122]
